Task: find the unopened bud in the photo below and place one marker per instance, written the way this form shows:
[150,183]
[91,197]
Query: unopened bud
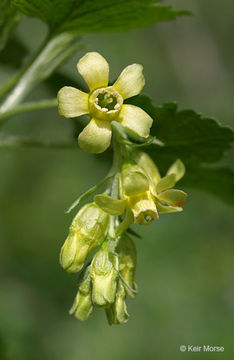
[117,313]
[104,272]
[87,231]
[126,251]
[149,167]
[82,306]
[133,179]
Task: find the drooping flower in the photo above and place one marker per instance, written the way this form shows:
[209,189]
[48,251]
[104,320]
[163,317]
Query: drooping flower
[104,103]
[144,194]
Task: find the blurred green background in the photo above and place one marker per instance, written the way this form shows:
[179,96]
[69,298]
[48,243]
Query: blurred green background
[185,261]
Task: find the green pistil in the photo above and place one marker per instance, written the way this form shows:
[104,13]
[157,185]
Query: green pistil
[107,101]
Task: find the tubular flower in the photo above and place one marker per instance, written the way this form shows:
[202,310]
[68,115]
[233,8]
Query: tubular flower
[144,193]
[104,103]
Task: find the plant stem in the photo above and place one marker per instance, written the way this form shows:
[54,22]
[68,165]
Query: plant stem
[52,53]
[114,186]
[26,107]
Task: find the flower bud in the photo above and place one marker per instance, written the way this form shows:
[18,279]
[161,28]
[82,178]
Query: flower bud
[126,251]
[133,179]
[146,163]
[117,313]
[104,272]
[87,231]
[82,306]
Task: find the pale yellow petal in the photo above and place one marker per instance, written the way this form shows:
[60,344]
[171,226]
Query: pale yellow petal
[131,81]
[135,119]
[166,182]
[178,169]
[173,197]
[96,136]
[110,205]
[94,68]
[72,102]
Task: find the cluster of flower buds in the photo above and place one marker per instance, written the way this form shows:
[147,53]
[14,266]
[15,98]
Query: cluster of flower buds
[107,281]
[108,278]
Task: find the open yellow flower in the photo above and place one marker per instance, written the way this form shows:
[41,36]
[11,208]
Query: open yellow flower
[104,103]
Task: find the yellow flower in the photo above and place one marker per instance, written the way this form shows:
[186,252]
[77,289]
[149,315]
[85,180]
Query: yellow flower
[144,193]
[104,103]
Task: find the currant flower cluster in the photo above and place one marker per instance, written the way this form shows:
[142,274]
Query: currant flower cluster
[135,192]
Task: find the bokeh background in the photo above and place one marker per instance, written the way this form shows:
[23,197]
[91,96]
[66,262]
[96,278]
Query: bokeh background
[185,261]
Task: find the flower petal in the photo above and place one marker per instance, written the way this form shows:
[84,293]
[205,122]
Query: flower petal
[109,205]
[166,182]
[131,81]
[72,102]
[135,119]
[94,68]
[173,197]
[178,169]
[166,209]
[96,136]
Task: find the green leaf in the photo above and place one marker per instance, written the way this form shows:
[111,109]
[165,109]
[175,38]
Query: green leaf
[9,18]
[88,16]
[185,134]
[217,181]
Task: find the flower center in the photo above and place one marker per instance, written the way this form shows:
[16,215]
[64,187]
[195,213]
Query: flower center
[105,103]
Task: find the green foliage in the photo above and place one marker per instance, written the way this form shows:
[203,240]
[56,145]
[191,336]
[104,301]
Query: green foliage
[185,134]
[85,16]
[194,139]
[9,18]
